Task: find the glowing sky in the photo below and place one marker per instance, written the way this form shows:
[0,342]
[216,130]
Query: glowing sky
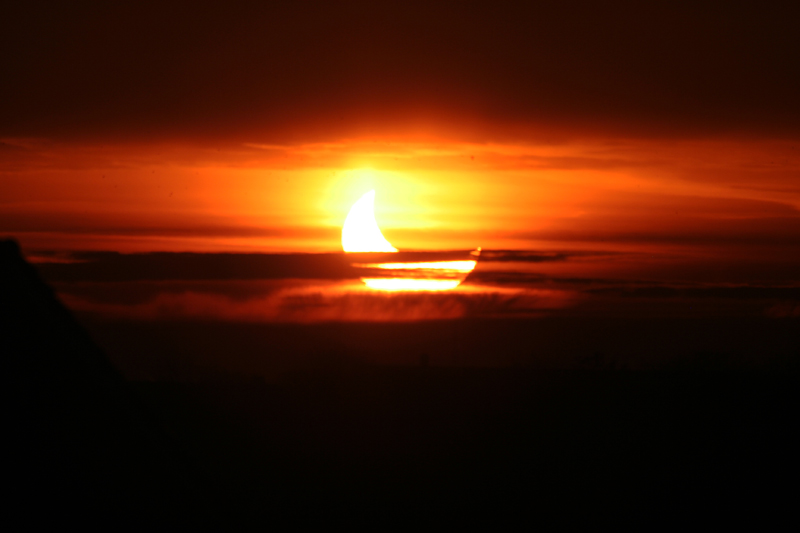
[444,194]
[255,127]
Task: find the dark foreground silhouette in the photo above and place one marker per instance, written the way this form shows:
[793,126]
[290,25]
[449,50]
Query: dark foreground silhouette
[80,442]
[386,446]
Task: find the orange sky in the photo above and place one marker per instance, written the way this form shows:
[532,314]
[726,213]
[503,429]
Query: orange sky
[252,126]
[432,193]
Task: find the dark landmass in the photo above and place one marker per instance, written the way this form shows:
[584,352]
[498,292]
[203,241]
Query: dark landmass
[81,443]
[202,350]
[342,438]
[394,445]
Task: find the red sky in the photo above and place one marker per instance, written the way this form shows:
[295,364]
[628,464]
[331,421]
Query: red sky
[443,194]
[242,127]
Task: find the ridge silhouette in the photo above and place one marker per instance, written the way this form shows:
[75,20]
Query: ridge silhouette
[82,442]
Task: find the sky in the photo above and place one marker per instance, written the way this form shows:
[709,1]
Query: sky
[245,126]
[639,147]
[249,71]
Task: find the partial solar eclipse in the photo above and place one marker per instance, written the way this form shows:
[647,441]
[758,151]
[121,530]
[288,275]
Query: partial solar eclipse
[361,234]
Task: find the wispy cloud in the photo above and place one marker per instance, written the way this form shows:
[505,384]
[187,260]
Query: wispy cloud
[327,302]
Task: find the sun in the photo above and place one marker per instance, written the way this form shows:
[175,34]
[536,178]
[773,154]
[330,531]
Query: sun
[360,232]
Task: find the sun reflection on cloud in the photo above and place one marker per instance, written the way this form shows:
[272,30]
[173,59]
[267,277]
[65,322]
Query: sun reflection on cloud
[418,276]
[455,266]
[410,284]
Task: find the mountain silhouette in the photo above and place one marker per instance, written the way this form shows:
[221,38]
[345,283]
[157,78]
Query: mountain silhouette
[82,443]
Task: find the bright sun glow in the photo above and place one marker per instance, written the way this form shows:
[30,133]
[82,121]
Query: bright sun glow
[453,266]
[360,232]
[406,284]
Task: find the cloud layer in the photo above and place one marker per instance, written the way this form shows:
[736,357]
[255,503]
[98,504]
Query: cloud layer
[313,288]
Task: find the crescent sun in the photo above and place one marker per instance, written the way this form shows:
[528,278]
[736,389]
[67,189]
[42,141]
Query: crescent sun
[360,232]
